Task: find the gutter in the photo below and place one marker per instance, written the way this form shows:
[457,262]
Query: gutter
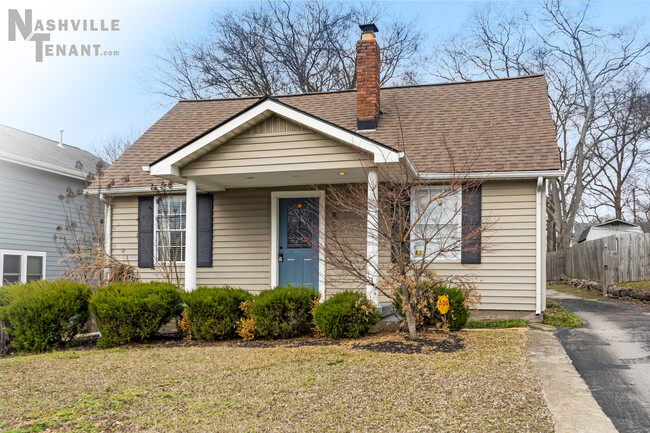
[530,174]
[132,190]
[538,245]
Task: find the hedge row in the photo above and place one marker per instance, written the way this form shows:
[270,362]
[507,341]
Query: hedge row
[43,315]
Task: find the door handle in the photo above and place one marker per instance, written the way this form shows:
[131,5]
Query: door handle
[280,257]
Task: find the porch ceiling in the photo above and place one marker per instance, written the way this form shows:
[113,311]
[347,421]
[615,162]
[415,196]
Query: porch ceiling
[281,178]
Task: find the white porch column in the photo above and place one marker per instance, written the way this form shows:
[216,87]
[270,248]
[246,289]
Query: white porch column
[190,236]
[372,238]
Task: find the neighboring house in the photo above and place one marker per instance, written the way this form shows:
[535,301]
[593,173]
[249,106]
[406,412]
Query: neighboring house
[242,166]
[33,172]
[609,228]
[578,229]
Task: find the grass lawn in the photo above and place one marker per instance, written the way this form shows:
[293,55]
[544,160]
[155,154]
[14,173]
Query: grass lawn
[468,381]
[643,286]
[506,323]
[571,290]
[557,315]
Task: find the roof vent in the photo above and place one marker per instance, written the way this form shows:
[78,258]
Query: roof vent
[61,138]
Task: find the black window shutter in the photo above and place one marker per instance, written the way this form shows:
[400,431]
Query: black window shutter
[471,234]
[398,237]
[145,232]
[204,230]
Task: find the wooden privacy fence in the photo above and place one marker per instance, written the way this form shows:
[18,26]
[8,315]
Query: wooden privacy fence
[614,259]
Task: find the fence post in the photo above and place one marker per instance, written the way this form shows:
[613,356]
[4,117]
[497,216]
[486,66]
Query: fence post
[605,269]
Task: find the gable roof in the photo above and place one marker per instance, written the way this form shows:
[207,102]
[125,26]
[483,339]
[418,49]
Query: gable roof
[502,125]
[31,150]
[260,110]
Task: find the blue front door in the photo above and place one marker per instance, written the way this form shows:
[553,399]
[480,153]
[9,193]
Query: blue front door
[298,242]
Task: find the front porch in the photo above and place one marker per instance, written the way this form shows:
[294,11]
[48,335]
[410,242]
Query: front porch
[261,153]
[250,237]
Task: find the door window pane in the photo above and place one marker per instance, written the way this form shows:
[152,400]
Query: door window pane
[34,268]
[299,226]
[11,268]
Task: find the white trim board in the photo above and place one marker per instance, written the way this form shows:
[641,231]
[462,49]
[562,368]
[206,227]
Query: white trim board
[170,165]
[275,228]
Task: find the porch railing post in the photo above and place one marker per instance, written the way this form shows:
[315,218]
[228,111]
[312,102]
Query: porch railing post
[372,237]
[190,236]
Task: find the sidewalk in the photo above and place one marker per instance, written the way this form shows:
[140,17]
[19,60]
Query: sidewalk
[572,405]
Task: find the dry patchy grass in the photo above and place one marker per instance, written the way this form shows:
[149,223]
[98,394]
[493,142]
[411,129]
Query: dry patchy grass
[571,290]
[488,385]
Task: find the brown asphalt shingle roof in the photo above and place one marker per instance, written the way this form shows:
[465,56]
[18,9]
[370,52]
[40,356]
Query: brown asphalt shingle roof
[494,125]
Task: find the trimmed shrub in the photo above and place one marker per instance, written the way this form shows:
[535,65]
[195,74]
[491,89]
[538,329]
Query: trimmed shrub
[127,312]
[457,315]
[283,312]
[213,312]
[346,315]
[458,312]
[43,315]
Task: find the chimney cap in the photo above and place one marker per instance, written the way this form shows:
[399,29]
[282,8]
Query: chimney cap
[368,28]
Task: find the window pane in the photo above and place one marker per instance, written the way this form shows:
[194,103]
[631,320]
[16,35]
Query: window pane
[11,268]
[170,229]
[34,268]
[437,230]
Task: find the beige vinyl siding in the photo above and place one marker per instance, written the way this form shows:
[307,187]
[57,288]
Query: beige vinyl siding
[242,244]
[241,239]
[506,276]
[275,145]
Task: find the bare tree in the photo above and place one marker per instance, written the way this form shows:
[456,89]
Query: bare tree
[581,61]
[618,163]
[111,148]
[281,47]
[415,223]
[81,241]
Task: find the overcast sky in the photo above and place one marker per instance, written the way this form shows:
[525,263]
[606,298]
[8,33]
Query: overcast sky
[94,98]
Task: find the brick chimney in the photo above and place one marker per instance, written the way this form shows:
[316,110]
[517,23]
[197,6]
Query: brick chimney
[367,78]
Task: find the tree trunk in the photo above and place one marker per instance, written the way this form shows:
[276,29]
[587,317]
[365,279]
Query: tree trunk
[411,322]
[4,339]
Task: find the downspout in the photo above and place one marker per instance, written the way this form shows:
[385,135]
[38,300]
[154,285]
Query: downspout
[108,229]
[538,245]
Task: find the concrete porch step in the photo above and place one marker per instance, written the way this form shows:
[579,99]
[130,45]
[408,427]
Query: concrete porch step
[385,308]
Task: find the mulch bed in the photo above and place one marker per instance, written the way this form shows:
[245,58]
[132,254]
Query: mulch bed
[429,341]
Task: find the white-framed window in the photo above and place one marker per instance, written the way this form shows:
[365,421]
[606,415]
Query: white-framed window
[437,223]
[169,229]
[21,266]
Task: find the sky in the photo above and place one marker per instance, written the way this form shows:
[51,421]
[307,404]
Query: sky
[94,98]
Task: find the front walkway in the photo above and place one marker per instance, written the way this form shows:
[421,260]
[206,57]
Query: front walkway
[612,354]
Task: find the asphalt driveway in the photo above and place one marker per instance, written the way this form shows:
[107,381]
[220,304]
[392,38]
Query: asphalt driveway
[612,354]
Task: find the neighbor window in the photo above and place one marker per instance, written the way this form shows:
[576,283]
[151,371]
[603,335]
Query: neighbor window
[21,266]
[436,215]
[170,222]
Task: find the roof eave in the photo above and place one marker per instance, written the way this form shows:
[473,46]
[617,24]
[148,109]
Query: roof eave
[43,166]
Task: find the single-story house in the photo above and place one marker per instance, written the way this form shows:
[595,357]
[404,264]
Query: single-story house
[33,172]
[609,228]
[241,166]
